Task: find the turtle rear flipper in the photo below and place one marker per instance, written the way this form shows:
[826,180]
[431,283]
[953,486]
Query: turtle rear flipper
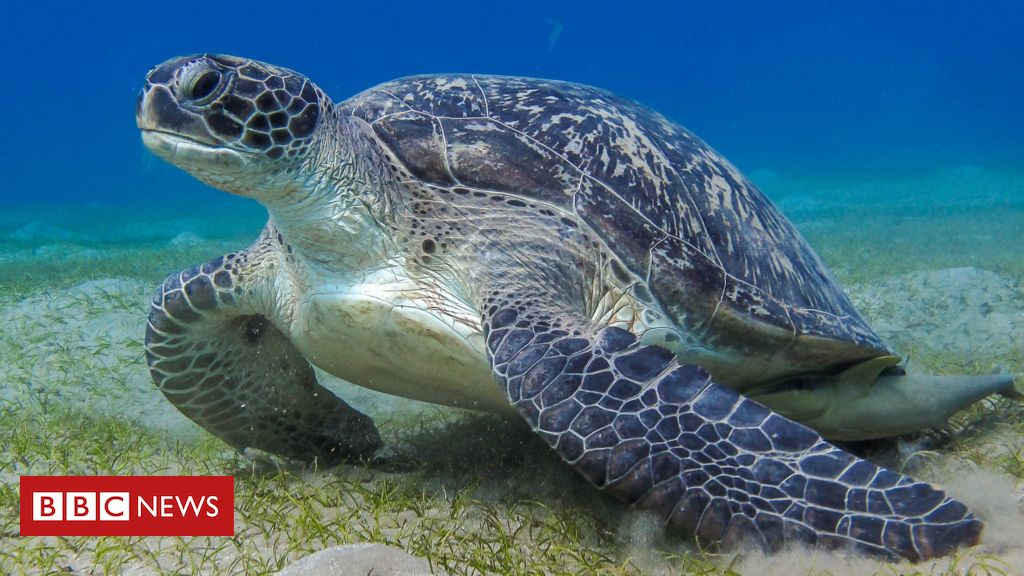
[666,437]
[227,367]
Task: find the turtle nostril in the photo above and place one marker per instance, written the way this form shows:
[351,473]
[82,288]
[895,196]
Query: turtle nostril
[203,84]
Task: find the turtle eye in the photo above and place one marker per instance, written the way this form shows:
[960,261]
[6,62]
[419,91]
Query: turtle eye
[202,86]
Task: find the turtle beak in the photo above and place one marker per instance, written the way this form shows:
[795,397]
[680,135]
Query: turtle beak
[175,132]
[159,110]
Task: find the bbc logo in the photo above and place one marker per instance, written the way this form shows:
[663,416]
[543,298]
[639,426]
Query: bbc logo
[126,506]
[80,506]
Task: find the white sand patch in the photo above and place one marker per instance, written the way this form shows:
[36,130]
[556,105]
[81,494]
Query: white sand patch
[999,501]
[184,239]
[37,231]
[966,311]
[83,348]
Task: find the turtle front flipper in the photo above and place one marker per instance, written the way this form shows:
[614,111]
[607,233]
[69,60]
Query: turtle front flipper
[215,355]
[666,437]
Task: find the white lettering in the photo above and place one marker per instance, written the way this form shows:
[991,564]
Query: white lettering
[214,510]
[80,506]
[114,506]
[167,506]
[144,504]
[190,503]
[48,506]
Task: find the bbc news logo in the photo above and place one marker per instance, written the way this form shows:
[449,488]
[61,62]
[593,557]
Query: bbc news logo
[127,506]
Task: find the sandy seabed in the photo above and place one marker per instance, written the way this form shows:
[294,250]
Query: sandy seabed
[936,264]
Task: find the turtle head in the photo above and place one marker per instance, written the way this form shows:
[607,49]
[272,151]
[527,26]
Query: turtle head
[240,125]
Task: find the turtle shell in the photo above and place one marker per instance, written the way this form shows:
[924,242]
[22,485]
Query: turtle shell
[714,253]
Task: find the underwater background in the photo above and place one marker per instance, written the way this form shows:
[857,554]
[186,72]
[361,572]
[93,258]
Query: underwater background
[803,87]
[891,133]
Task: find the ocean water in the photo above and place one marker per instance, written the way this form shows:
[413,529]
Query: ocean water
[890,133]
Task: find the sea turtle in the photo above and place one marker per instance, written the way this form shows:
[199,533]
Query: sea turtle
[550,248]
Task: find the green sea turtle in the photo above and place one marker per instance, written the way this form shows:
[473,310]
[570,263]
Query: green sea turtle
[549,248]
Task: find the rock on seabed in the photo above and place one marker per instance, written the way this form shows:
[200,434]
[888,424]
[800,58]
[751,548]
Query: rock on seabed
[360,560]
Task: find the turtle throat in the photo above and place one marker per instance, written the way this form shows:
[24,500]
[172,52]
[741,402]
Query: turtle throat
[333,212]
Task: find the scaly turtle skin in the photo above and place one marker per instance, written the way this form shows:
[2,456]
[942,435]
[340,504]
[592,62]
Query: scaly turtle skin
[509,243]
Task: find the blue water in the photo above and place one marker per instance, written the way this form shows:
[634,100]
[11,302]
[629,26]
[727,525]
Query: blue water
[802,88]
